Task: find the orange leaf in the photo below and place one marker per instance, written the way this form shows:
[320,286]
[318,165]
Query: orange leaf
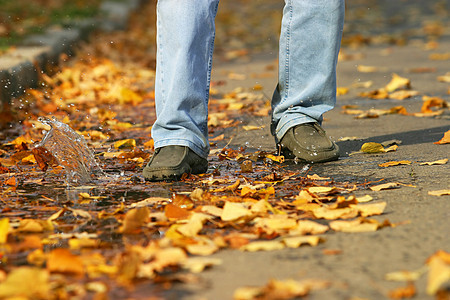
[176,212]
[445,139]
[395,163]
[403,292]
[135,219]
[63,261]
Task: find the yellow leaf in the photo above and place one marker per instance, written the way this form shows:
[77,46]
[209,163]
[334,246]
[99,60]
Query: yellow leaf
[365,198]
[129,96]
[439,193]
[281,223]
[134,219]
[340,91]
[366,210]
[308,227]
[384,186]
[247,293]
[297,241]
[354,226]
[198,264]
[25,283]
[436,162]
[233,211]
[63,261]
[202,249]
[408,291]
[445,139]
[251,127]
[372,147]
[193,226]
[398,82]
[332,214]
[405,275]
[438,274]
[123,144]
[4,230]
[366,69]
[277,158]
[320,189]
[263,246]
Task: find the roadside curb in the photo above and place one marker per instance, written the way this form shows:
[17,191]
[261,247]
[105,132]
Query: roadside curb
[19,69]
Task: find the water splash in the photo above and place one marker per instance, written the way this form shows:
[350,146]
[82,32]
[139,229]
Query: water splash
[71,151]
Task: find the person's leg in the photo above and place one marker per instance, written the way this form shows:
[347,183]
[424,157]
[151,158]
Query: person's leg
[309,45]
[185,40]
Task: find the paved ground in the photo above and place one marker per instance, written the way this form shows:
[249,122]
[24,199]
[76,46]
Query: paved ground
[366,257]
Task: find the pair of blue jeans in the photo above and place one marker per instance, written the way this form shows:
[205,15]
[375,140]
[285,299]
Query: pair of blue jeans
[309,44]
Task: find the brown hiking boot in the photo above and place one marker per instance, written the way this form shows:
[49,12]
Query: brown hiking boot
[308,142]
[171,162]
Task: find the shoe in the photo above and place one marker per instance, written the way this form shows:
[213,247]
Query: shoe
[171,162]
[308,142]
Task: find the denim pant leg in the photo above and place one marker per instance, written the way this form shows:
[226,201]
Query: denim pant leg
[185,41]
[311,32]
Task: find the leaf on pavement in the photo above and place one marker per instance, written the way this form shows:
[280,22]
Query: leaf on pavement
[445,139]
[233,211]
[134,219]
[125,144]
[263,246]
[394,163]
[385,186]
[403,292]
[358,225]
[439,192]
[439,271]
[398,82]
[297,241]
[405,275]
[198,264]
[436,162]
[305,227]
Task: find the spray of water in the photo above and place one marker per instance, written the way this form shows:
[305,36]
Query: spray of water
[71,151]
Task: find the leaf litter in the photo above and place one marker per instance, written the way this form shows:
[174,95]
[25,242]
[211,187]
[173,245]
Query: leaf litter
[108,235]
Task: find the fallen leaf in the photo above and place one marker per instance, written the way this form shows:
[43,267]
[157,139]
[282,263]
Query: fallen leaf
[251,127]
[394,163]
[439,272]
[63,261]
[385,186]
[372,147]
[233,211]
[308,227]
[436,162]
[262,246]
[26,283]
[297,241]
[202,249]
[439,193]
[198,264]
[405,275]
[445,139]
[367,69]
[408,291]
[134,219]
[366,210]
[4,230]
[358,225]
[176,212]
[398,82]
[125,144]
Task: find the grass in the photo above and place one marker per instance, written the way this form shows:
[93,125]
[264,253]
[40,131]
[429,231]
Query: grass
[20,18]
